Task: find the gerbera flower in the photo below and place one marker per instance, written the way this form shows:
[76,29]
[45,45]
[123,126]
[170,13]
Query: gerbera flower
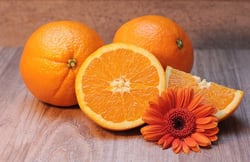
[180,119]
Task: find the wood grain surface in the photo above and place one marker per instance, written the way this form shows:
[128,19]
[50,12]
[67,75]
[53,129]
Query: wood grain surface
[32,131]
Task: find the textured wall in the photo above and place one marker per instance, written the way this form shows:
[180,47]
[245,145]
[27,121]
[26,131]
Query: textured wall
[210,24]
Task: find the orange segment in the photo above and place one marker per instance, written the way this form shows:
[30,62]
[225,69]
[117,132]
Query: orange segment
[115,84]
[224,99]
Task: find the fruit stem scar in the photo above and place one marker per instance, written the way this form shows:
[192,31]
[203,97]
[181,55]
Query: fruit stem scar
[179,43]
[71,63]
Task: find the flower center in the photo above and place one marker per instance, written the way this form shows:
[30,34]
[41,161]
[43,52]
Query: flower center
[180,123]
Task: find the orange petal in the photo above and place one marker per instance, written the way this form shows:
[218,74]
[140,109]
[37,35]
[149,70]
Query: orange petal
[152,129]
[207,126]
[201,139]
[153,109]
[211,132]
[166,102]
[201,107]
[177,145]
[195,102]
[207,112]
[185,148]
[196,148]
[190,142]
[204,111]
[206,120]
[180,96]
[167,142]
[151,137]
[151,119]
[189,95]
[178,150]
[163,138]
[213,138]
[184,97]
[200,130]
[152,132]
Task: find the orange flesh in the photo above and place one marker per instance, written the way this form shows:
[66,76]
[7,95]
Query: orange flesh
[218,95]
[120,89]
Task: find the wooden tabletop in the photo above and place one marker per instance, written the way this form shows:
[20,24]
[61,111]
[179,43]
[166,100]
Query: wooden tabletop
[35,132]
[32,131]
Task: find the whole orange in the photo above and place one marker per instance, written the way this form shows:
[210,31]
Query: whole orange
[51,58]
[162,37]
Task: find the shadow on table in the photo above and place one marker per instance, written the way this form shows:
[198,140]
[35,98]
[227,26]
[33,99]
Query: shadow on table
[232,125]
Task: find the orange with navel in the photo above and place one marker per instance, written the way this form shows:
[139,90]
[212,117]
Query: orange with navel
[51,58]
[162,37]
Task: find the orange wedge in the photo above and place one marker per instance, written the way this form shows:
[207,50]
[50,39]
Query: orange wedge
[225,100]
[115,84]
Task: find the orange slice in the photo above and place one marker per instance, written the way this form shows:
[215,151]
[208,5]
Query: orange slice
[226,100]
[115,84]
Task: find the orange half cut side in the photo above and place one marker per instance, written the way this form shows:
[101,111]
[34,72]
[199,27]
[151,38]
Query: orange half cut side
[115,84]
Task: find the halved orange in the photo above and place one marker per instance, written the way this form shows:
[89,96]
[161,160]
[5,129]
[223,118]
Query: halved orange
[226,100]
[115,84]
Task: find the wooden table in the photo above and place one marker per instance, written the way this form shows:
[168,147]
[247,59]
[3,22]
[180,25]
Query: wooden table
[35,132]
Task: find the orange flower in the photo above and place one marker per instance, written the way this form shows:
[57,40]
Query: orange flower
[180,119]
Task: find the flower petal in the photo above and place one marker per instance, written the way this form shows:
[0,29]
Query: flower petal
[204,111]
[201,139]
[212,132]
[196,101]
[163,138]
[206,120]
[166,141]
[200,130]
[151,118]
[163,105]
[180,98]
[190,142]
[151,137]
[153,109]
[196,148]
[207,126]
[213,138]
[152,132]
[152,115]
[167,101]
[177,145]
[185,148]
[184,97]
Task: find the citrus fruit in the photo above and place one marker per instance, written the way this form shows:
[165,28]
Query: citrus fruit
[51,58]
[115,84]
[224,99]
[162,37]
